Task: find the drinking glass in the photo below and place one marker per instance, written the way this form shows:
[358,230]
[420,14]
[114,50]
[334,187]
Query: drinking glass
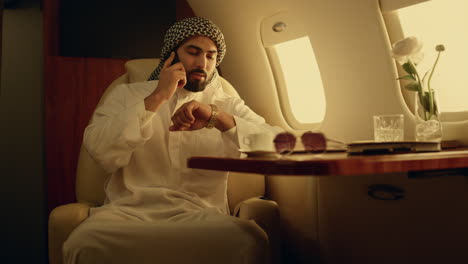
[388,128]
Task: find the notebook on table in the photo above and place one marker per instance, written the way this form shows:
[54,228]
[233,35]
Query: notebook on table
[372,147]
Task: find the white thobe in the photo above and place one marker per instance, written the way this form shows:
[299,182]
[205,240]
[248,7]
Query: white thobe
[150,181]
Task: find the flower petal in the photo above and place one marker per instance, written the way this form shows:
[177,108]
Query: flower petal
[406,47]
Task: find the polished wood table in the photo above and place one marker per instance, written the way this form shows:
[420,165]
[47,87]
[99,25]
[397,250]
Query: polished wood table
[447,162]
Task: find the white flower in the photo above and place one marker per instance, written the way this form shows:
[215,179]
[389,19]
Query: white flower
[409,48]
[408,52]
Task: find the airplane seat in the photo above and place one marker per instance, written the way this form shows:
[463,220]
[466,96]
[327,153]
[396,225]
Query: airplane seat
[245,191]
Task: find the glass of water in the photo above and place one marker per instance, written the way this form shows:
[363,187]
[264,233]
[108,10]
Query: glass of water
[388,128]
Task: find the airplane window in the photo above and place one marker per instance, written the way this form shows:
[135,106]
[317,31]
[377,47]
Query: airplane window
[442,22]
[304,96]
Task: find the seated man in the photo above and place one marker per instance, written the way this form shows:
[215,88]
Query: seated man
[157,210]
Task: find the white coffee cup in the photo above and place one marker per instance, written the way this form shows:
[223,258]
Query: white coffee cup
[259,142]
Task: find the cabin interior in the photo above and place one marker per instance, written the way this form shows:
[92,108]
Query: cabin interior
[58,57]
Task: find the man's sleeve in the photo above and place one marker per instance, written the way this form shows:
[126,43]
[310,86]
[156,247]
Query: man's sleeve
[118,126]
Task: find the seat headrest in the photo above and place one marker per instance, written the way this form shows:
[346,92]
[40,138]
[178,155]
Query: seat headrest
[139,70]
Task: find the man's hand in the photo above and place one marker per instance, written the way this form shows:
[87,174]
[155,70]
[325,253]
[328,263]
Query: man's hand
[195,115]
[171,78]
[191,116]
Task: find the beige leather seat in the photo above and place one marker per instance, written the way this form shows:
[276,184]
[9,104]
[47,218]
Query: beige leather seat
[244,190]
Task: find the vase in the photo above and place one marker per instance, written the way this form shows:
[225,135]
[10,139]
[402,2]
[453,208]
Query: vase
[428,125]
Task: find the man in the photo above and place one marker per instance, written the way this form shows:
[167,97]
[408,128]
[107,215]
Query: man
[143,134]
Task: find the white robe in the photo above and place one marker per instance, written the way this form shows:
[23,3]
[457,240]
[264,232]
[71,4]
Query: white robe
[151,187]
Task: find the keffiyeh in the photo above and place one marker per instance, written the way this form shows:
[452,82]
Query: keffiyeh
[189,27]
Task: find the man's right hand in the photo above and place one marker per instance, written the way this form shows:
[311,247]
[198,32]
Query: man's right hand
[171,78]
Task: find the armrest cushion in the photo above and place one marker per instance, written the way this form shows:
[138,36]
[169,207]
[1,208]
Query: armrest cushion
[266,214]
[62,221]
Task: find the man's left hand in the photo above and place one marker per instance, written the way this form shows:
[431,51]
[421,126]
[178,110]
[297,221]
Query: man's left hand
[191,116]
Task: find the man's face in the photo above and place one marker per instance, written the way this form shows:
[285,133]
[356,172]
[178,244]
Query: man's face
[198,55]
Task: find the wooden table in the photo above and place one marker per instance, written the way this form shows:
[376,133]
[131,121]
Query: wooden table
[447,162]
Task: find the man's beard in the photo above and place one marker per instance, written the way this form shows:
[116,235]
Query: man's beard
[196,85]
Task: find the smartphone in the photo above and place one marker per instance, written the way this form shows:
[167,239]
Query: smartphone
[176,59]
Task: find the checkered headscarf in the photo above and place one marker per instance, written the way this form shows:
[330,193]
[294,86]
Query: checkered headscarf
[189,27]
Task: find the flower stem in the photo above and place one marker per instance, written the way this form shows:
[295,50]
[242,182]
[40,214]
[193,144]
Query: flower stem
[431,92]
[420,90]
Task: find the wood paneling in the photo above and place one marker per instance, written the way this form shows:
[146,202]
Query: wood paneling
[72,91]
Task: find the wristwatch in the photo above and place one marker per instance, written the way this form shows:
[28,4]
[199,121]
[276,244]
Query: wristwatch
[214,116]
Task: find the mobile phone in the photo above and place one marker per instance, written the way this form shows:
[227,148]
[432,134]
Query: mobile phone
[176,59]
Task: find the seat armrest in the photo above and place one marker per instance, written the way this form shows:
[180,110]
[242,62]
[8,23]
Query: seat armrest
[265,213]
[62,221]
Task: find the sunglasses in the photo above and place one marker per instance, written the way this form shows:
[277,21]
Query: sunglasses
[312,142]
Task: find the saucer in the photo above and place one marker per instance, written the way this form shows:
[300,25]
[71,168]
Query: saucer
[259,153]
